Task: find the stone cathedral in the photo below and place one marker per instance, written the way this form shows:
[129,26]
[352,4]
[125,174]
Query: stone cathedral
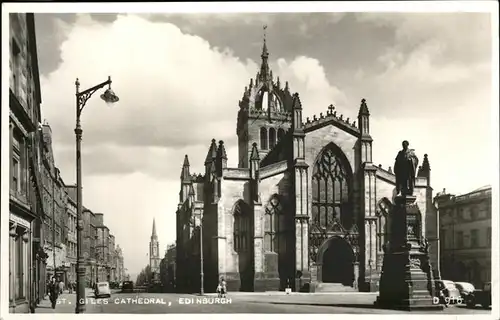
[306,207]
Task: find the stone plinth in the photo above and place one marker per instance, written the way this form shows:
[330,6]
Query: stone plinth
[406,282]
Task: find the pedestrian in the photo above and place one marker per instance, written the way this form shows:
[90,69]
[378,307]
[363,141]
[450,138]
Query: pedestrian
[53,289]
[443,294]
[221,288]
[61,287]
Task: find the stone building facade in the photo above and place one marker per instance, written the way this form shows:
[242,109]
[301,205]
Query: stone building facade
[71,222]
[111,258]
[120,267]
[102,249]
[465,233]
[168,270]
[55,202]
[27,258]
[306,207]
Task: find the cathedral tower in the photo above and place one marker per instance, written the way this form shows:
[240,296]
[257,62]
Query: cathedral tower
[265,112]
[154,255]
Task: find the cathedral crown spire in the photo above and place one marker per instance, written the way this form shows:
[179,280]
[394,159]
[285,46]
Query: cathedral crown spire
[264,74]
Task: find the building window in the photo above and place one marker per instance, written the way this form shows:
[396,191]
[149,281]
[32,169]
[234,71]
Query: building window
[474,238]
[242,230]
[274,226]
[383,223]
[20,269]
[460,240]
[16,65]
[330,190]
[281,134]
[263,138]
[272,138]
[15,174]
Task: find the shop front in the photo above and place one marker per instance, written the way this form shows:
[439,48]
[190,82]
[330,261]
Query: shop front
[19,264]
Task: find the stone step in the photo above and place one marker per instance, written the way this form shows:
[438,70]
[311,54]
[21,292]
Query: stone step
[334,287]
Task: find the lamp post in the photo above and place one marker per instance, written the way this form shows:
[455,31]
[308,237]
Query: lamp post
[81,99]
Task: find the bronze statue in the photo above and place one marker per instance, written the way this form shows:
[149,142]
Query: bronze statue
[405,170]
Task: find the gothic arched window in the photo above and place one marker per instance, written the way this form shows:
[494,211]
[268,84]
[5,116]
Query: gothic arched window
[274,224]
[241,228]
[383,223]
[272,138]
[263,138]
[330,190]
[281,134]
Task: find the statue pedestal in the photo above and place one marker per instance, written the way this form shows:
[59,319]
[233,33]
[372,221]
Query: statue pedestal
[406,282]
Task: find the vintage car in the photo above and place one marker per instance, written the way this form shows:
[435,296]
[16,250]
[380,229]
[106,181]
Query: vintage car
[480,296]
[127,286]
[102,289]
[452,293]
[465,289]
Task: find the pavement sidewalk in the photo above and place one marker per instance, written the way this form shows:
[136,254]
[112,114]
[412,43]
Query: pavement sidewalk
[66,303]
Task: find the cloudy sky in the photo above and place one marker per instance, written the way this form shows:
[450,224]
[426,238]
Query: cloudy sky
[426,78]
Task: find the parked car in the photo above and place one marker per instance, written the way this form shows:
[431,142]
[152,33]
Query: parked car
[102,289]
[451,292]
[480,296]
[128,286]
[465,289]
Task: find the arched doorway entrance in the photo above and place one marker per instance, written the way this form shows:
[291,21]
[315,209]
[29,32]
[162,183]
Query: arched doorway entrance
[337,262]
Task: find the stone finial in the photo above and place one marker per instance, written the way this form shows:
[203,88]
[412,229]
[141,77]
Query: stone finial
[287,88]
[347,120]
[335,113]
[314,118]
[321,115]
[354,123]
[307,120]
[380,166]
[341,116]
[389,170]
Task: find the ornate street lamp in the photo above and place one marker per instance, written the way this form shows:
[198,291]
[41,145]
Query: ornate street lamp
[81,99]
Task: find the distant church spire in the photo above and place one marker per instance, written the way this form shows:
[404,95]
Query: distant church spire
[153,234]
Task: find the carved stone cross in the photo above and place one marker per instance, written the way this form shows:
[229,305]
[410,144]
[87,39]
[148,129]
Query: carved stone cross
[331,107]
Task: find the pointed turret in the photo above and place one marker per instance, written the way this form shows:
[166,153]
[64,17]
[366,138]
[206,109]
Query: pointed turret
[185,168]
[365,140]
[364,118]
[297,113]
[221,158]
[212,153]
[424,170]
